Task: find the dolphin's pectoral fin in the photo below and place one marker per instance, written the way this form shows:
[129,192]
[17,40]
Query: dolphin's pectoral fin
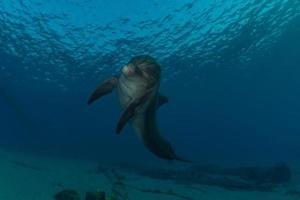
[130,111]
[162,100]
[104,88]
[126,116]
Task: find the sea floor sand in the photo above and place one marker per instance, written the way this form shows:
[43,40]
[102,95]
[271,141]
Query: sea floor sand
[31,177]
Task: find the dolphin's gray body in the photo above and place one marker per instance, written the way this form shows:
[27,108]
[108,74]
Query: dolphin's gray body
[138,91]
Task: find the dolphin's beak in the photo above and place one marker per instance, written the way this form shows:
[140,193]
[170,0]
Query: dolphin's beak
[127,70]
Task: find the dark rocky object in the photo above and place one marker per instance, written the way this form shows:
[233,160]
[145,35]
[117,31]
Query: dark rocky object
[252,178]
[95,196]
[277,174]
[67,195]
[294,193]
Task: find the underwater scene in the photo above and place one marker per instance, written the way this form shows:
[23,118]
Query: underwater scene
[149,100]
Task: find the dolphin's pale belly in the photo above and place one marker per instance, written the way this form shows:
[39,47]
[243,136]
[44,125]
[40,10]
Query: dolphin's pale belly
[144,119]
[128,90]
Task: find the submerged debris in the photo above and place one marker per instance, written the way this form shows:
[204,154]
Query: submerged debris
[67,195]
[251,178]
[95,196]
[169,192]
[25,165]
[240,178]
[119,191]
[280,173]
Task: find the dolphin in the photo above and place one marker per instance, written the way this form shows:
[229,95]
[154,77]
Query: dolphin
[138,92]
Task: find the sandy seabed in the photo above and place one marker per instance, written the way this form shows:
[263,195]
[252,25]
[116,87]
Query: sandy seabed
[31,177]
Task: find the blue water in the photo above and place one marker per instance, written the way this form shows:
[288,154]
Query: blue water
[229,67]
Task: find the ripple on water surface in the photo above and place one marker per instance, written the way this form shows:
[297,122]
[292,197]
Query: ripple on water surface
[66,41]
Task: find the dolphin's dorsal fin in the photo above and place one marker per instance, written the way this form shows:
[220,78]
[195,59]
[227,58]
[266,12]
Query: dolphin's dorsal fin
[130,110]
[104,88]
[162,100]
